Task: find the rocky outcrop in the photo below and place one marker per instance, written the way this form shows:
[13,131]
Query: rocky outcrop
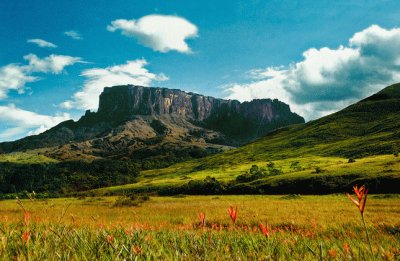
[129,100]
[135,118]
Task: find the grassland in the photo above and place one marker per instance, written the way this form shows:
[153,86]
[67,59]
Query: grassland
[367,132]
[25,158]
[168,228]
[357,145]
[336,172]
[354,146]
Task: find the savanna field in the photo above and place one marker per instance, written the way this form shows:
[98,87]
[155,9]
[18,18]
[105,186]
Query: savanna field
[287,227]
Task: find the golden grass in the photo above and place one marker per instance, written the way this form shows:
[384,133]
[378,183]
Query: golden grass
[168,228]
[326,211]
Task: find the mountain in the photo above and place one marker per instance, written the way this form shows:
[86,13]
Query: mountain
[357,145]
[157,127]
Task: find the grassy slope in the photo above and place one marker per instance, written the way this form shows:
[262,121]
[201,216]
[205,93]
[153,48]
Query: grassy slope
[25,158]
[363,130]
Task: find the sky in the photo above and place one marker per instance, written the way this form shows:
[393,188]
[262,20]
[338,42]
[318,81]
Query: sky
[318,56]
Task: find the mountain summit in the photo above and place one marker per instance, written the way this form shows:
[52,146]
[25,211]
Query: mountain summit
[158,124]
[239,121]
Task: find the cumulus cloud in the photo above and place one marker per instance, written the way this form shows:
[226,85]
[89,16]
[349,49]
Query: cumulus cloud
[19,122]
[162,33]
[15,76]
[42,43]
[327,80]
[50,64]
[132,72]
[73,34]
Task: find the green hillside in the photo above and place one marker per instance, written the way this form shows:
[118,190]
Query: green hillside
[307,158]
[25,158]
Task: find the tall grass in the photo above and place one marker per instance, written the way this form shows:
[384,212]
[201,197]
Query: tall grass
[71,229]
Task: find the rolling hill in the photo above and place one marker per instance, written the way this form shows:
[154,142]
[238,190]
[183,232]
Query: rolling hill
[356,145]
[134,128]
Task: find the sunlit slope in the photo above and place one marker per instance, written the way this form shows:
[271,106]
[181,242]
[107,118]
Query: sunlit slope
[369,127]
[362,130]
[25,158]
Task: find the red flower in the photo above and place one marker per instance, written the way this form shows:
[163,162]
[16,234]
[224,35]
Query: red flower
[359,191]
[332,252]
[110,239]
[265,229]
[25,237]
[202,217]
[27,216]
[232,213]
[361,194]
[346,247]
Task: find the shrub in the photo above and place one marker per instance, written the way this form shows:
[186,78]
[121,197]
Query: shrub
[396,150]
[318,170]
[254,173]
[273,171]
[295,165]
[209,185]
[130,201]
[254,169]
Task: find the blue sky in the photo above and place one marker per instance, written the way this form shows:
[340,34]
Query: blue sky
[318,56]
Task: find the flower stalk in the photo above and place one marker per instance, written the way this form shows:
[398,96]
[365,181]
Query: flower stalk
[361,194]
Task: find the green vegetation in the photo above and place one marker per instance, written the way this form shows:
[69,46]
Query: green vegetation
[354,146]
[304,175]
[51,179]
[25,158]
[358,145]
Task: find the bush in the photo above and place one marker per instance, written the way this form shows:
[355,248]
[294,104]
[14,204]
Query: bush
[273,171]
[271,164]
[295,165]
[318,170]
[254,169]
[258,173]
[130,201]
[395,150]
[254,173]
[209,185]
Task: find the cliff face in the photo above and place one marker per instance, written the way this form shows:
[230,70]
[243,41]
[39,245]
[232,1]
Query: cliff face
[143,122]
[129,100]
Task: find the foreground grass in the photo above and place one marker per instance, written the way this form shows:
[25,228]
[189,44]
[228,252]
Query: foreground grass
[168,228]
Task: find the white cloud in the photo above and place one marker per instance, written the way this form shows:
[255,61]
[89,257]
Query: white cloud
[42,43]
[15,76]
[19,122]
[327,80]
[73,34]
[132,72]
[162,33]
[50,64]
